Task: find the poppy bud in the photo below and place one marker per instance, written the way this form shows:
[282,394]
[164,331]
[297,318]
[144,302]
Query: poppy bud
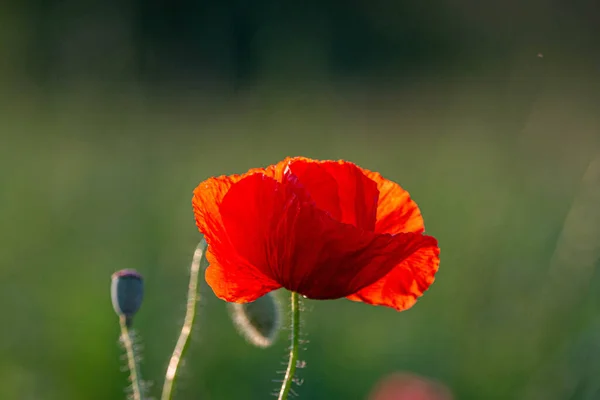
[127,292]
[258,322]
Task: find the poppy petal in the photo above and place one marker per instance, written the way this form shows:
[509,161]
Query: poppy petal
[340,188]
[231,277]
[321,186]
[257,213]
[396,211]
[351,260]
[209,195]
[407,281]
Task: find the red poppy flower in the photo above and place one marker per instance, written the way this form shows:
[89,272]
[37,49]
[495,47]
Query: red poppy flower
[324,229]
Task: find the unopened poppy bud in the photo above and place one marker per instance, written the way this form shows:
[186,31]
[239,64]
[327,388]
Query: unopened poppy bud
[127,292]
[258,322]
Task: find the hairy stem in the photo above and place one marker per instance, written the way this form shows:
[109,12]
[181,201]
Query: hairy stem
[295,340]
[186,329]
[131,361]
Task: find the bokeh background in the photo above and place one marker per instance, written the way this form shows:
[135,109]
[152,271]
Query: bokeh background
[111,112]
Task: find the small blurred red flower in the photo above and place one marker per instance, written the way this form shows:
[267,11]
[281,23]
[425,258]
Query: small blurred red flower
[406,386]
[324,229]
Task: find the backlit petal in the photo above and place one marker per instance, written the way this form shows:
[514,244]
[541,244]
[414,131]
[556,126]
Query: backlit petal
[230,276]
[350,260]
[340,188]
[259,214]
[407,281]
[209,195]
[396,211]
[234,280]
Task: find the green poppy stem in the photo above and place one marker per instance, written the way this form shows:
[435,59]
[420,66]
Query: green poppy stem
[294,347]
[186,329]
[131,361]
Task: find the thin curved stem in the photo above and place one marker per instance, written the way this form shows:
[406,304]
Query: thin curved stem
[186,329]
[131,361]
[295,341]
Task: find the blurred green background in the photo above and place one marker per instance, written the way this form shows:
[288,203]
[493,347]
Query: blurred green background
[111,112]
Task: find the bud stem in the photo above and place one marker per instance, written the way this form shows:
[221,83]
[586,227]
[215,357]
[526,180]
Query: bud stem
[295,340]
[131,361]
[186,329]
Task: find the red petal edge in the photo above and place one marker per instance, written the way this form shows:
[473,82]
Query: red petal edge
[340,188]
[407,281]
[230,276]
[396,211]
